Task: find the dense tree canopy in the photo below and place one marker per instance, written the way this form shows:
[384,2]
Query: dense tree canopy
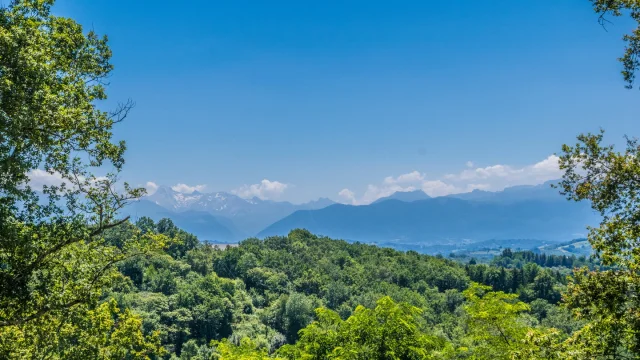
[303,296]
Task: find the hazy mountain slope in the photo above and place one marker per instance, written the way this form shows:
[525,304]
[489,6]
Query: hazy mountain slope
[443,219]
[201,224]
[244,216]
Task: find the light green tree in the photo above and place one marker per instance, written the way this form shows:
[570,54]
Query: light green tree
[104,332]
[608,300]
[54,261]
[500,328]
[495,328]
[247,350]
[390,331]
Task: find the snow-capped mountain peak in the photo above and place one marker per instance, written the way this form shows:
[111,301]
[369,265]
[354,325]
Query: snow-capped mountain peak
[248,215]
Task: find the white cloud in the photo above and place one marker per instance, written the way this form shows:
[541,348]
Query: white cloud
[438,188]
[431,187]
[405,182]
[186,189]
[409,178]
[265,190]
[486,172]
[548,165]
[497,177]
[348,195]
[490,178]
[40,178]
[374,192]
[151,187]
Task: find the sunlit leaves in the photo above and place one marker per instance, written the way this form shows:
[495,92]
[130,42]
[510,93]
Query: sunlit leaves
[105,332]
[608,300]
[54,259]
[389,331]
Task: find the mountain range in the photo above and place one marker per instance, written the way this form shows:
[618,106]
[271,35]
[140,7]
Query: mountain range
[217,216]
[519,212]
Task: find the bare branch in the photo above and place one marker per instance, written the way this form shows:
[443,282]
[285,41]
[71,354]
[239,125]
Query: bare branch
[122,111]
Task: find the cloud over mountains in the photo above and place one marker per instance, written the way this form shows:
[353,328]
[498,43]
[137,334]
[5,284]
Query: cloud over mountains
[490,178]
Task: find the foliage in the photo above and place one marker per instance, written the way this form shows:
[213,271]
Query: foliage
[105,332]
[54,260]
[274,287]
[618,8]
[389,331]
[68,263]
[608,299]
[494,326]
[530,281]
[518,259]
[247,350]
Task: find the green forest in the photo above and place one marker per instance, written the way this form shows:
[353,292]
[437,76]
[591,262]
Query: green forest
[302,296]
[78,281]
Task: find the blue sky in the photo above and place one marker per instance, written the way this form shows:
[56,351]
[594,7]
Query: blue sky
[357,97]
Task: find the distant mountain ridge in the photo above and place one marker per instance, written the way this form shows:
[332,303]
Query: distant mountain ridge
[219,215]
[534,212]
[518,212]
[200,223]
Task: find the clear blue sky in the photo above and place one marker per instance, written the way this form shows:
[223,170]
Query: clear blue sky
[329,95]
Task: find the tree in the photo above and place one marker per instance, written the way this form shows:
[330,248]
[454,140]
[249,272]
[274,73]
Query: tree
[105,332]
[629,59]
[53,256]
[493,322]
[608,299]
[544,287]
[247,350]
[389,331]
